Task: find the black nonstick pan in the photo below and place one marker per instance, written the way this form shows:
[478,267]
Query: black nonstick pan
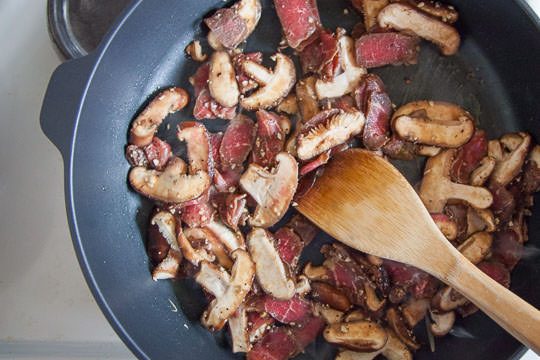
[91,101]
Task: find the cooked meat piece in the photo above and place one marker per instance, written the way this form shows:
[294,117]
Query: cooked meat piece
[380,49]
[237,142]
[299,19]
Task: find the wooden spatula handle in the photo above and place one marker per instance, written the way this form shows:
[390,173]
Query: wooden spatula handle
[511,312]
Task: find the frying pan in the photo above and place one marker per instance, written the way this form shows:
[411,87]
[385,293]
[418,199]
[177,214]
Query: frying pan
[91,101]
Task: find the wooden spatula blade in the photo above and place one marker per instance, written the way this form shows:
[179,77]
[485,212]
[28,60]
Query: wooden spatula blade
[379,214]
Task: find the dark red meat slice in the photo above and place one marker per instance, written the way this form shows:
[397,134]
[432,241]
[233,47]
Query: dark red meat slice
[397,148]
[228,27]
[496,271]
[504,204]
[468,157]
[299,19]
[322,52]
[370,83]
[345,103]
[323,158]
[157,246]
[197,215]
[307,331]
[275,345]
[289,246]
[379,49]
[419,282]
[530,178]
[458,214]
[227,180]
[303,227]
[215,144]
[506,248]
[269,140]
[231,208]
[237,142]
[199,80]
[306,183]
[158,152]
[245,83]
[289,311]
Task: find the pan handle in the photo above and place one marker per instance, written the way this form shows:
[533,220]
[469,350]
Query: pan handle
[64,95]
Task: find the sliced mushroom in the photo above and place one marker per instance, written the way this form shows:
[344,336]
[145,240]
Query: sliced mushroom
[395,349]
[198,145]
[446,225]
[316,273]
[250,11]
[442,323]
[511,141]
[476,247]
[168,267]
[483,171]
[433,123]
[356,355]
[286,124]
[427,150]
[355,315]
[226,304]
[329,295]
[404,17]
[534,155]
[213,41]
[495,150]
[396,323]
[374,260]
[171,185]
[273,191]
[369,9]
[303,287]
[314,140]
[260,327]
[211,247]
[480,220]
[222,80]
[357,335]
[146,124]
[414,310]
[213,279]
[488,218]
[275,85]
[447,299]
[194,51]
[372,300]
[238,328]
[194,255]
[272,274]
[510,165]
[437,188]
[308,105]
[288,105]
[345,82]
[227,237]
[331,316]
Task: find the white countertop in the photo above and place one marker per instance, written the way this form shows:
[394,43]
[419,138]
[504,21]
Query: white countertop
[47,311]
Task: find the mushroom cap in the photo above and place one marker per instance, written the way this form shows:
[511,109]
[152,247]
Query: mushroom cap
[171,185]
[357,335]
[273,191]
[442,323]
[222,80]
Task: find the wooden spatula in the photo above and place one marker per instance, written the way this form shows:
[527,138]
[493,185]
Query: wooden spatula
[364,202]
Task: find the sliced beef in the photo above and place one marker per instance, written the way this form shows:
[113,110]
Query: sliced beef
[269,140]
[300,20]
[379,49]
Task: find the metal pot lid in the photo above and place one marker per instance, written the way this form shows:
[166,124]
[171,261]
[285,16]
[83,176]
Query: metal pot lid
[77,26]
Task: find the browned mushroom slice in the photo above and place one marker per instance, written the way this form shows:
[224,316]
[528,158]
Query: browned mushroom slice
[308,105]
[198,145]
[316,273]
[329,295]
[272,274]
[194,255]
[222,80]
[495,150]
[442,322]
[331,316]
[314,140]
[369,9]
[396,323]
[209,250]
[356,335]
[510,165]
[146,124]
[437,188]
[303,286]
[168,267]
[404,17]
[447,226]
[275,85]
[433,123]
[480,220]
[476,247]
[447,13]
[414,310]
[427,150]
[355,315]
[232,240]
[238,328]
[288,106]
[171,185]
[227,302]
[194,51]
[447,299]
[272,191]
[483,171]
[345,82]
[395,349]
[372,301]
